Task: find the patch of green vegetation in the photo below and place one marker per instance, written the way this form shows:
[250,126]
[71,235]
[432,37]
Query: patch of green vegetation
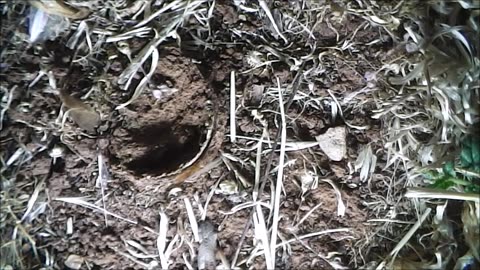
[463,172]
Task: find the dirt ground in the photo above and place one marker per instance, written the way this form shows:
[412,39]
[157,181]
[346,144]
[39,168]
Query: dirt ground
[147,144]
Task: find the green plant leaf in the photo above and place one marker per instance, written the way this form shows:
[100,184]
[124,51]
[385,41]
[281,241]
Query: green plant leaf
[472,188]
[467,142]
[466,157]
[449,168]
[443,183]
[432,175]
[475,151]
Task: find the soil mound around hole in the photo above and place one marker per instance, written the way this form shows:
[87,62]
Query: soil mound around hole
[159,135]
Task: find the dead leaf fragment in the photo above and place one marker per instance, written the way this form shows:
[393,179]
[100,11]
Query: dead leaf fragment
[333,143]
[87,120]
[58,7]
[82,114]
[74,261]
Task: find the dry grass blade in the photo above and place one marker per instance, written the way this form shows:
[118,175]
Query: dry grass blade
[471,225]
[127,75]
[6,100]
[137,32]
[192,219]
[441,194]
[340,205]
[306,236]
[258,166]
[81,29]
[143,83]
[84,203]
[149,266]
[265,8]
[403,242]
[307,215]
[233,127]
[33,199]
[101,182]
[261,233]
[162,240]
[341,113]
[366,163]
[175,5]
[232,167]
[279,182]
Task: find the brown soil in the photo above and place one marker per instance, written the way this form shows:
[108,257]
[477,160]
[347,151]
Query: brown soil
[152,138]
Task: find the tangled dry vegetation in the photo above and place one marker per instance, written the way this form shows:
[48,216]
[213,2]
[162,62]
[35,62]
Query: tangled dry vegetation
[240,134]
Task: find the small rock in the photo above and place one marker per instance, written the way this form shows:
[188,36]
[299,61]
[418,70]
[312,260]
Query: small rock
[74,261]
[333,143]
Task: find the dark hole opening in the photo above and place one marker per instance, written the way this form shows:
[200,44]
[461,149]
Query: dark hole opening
[167,147]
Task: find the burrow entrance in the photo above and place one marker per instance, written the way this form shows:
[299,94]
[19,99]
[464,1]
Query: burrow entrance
[163,147]
[165,127]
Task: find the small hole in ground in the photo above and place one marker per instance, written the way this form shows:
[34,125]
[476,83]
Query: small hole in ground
[167,147]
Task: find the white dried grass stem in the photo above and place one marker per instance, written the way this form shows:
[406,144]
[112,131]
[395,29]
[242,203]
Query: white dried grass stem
[175,5]
[139,262]
[427,193]
[187,263]
[144,81]
[308,214]
[245,205]
[128,74]
[265,8]
[340,205]
[143,254]
[69,226]
[209,197]
[258,166]
[279,182]
[81,201]
[233,128]
[341,113]
[192,219]
[289,241]
[15,156]
[261,233]
[386,220]
[162,240]
[102,183]
[403,242]
[33,199]
[138,32]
